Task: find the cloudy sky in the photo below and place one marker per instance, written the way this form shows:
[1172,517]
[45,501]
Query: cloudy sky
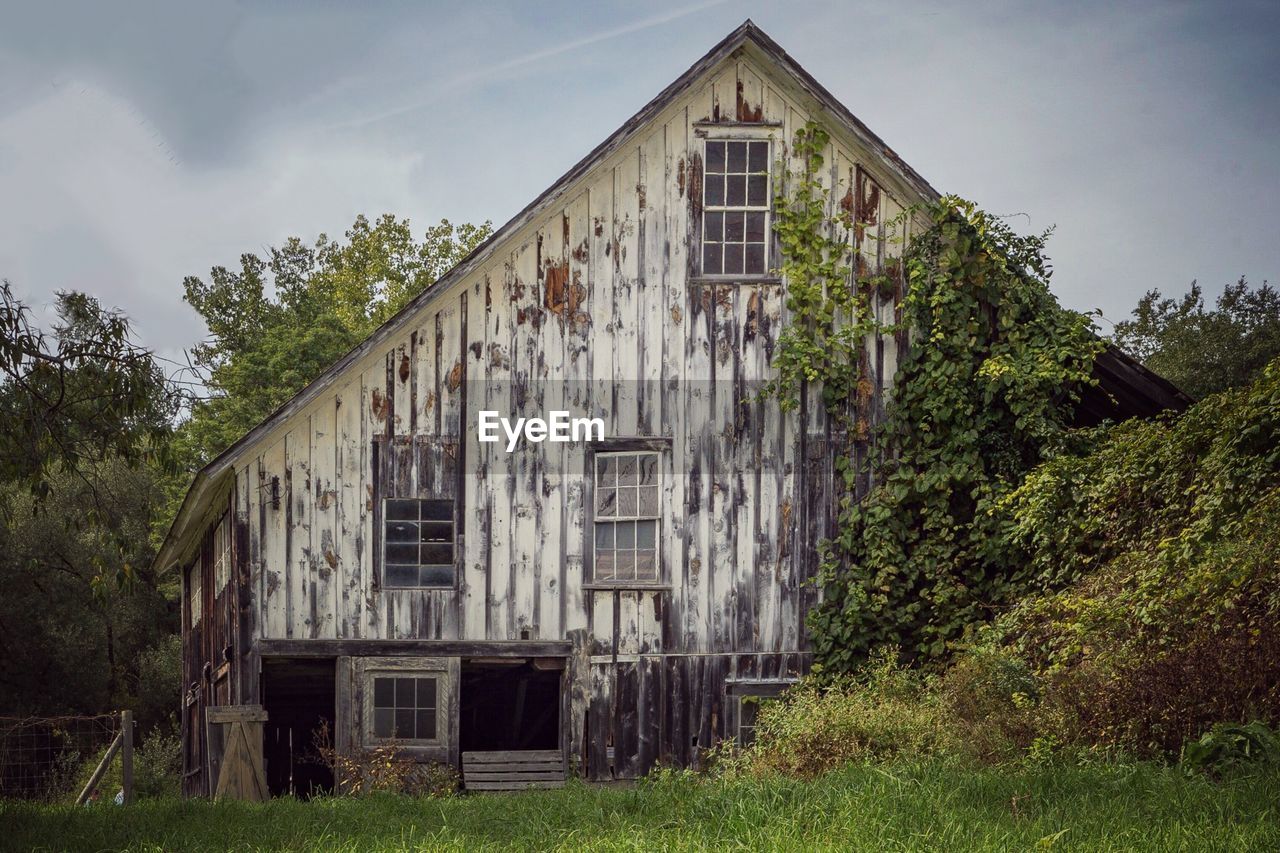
[141,142]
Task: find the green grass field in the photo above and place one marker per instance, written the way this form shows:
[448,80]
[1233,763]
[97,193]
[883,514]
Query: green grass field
[919,807]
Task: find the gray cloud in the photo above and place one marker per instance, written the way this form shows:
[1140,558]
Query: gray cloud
[143,142]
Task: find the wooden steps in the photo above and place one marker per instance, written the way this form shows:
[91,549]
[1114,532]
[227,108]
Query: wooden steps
[513,771]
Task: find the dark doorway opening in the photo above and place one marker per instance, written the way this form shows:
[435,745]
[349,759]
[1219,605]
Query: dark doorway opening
[298,696]
[510,705]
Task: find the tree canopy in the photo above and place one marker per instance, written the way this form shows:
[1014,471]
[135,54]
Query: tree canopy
[1205,350]
[277,322]
[75,395]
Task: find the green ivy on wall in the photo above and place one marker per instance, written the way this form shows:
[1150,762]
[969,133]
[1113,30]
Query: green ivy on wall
[982,394]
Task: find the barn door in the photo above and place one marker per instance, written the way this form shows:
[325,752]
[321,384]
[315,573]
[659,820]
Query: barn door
[236,770]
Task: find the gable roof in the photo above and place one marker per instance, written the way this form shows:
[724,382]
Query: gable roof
[214,480]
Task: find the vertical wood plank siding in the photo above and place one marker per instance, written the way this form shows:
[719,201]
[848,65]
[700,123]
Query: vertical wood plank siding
[594,308]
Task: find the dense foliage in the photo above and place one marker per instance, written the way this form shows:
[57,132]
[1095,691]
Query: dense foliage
[1204,351]
[983,393]
[1165,645]
[1173,528]
[76,640]
[277,323]
[75,395]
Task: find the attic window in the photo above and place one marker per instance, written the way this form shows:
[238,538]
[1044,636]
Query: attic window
[418,543]
[735,208]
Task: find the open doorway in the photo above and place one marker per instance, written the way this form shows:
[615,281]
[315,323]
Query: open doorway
[510,704]
[298,696]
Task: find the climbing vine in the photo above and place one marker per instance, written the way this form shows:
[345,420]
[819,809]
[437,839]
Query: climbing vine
[819,346]
[983,392]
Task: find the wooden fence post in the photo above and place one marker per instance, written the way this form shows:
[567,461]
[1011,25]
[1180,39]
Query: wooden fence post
[101,770]
[126,755]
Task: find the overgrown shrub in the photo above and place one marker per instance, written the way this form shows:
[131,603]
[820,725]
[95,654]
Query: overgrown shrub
[1228,746]
[1174,527]
[882,711]
[157,765]
[389,767]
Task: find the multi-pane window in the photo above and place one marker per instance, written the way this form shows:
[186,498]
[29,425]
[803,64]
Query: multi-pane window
[404,707]
[735,207]
[626,516]
[194,596]
[221,556]
[748,709]
[418,544]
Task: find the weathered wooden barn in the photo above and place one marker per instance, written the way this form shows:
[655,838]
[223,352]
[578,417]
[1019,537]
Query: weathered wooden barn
[363,558]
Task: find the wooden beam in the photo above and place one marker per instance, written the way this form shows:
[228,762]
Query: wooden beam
[431,648]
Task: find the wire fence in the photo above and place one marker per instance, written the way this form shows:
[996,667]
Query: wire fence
[48,758]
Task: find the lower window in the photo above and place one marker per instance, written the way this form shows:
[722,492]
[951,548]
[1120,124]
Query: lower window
[406,706]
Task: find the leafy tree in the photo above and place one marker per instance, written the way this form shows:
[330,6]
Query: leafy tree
[77,395]
[277,322]
[75,638]
[1204,351]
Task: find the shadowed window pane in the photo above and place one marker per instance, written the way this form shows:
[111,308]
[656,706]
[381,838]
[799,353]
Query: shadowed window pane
[732,258]
[604,565]
[401,531]
[715,156]
[426,725]
[426,692]
[627,471]
[402,553]
[404,723]
[646,534]
[712,259]
[648,469]
[435,576]
[735,190]
[737,161]
[646,566]
[400,510]
[384,693]
[382,720]
[734,227]
[436,554]
[436,510]
[626,565]
[714,189]
[759,157]
[753,264]
[713,230]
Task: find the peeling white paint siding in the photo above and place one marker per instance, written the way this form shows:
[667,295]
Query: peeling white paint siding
[628,336]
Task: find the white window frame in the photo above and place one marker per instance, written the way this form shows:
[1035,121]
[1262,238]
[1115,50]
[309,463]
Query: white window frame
[195,597]
[766,208]
[656,517]
[221,555]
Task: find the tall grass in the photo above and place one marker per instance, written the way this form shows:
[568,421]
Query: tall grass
[916,806]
